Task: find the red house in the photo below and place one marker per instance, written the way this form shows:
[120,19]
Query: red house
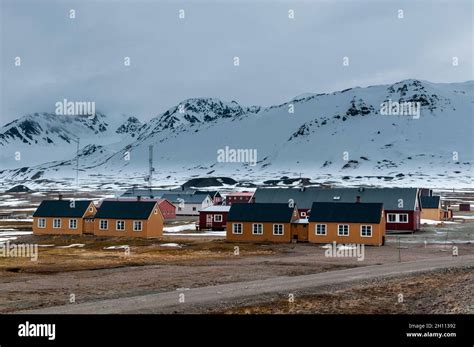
[213,217]
[238,197]
[168,210]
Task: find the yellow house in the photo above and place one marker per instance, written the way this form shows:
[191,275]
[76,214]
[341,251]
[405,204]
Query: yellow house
[347,223]
[129,218]
[431,207]
[65,217]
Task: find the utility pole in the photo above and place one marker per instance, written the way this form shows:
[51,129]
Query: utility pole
[77,141]
[150,167]
[399,251]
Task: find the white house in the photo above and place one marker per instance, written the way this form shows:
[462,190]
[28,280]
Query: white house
[188,204]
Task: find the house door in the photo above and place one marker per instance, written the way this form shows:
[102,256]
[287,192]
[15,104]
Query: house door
[209,220]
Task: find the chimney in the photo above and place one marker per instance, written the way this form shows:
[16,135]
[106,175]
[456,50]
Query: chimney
[60,196]
[357,199]
[139,198]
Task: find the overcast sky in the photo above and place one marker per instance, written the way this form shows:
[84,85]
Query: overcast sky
[172,59]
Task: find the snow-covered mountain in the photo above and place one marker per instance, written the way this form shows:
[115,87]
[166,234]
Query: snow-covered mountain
[337,137]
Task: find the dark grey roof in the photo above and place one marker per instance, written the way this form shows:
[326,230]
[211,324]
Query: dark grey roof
[260,213]
[429,201]
[185,198]
[343,212]
[211,193]
[155,193]
[125,209]
[62,208]
[390,197]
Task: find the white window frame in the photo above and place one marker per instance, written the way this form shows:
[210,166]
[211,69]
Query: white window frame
[220,219]
[117,225]
[282,229]
[303,214]
[75,223]
[320,233]
[42,223]
[104,221]
[339,229]
[403,214]
[135,224]
[241,227]
[367,228]
[54,223]
[398,218]
[392,214]
[254,232]
[91,209]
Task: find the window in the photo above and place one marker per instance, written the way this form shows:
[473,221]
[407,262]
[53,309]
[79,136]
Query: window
[57,223]
[41,223]
[403,218]
[194,208]
[366,230]
[73,224]
[137,225]
[397,217]
[103,224]
[343,230]
[303,214]
[257,229]
[217,218]
[278,229]
[321,229]
[120,225]
[91,209]
[179,209]
[391,217]
[236,228]
[156,211]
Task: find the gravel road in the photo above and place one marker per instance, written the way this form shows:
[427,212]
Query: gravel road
[224,293]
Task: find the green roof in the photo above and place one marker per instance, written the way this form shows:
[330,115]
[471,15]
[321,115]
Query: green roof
[304,198]
[125,209]
[341,212]
[429,201]
[62,208]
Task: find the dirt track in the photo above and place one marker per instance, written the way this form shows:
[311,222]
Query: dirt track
[182,300]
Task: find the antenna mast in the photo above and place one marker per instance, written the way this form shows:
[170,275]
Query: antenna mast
[150,167]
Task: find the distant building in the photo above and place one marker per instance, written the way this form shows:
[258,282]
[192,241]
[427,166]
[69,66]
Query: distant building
[401,205]
[431,208]
[213,217]
[238,197]
[214,194]
[188,204]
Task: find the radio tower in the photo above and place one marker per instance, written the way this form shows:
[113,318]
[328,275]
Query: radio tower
[150,167]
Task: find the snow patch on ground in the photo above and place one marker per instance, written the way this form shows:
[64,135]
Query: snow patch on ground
[435,222]
[118,247]
[179,228]
[171,245]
